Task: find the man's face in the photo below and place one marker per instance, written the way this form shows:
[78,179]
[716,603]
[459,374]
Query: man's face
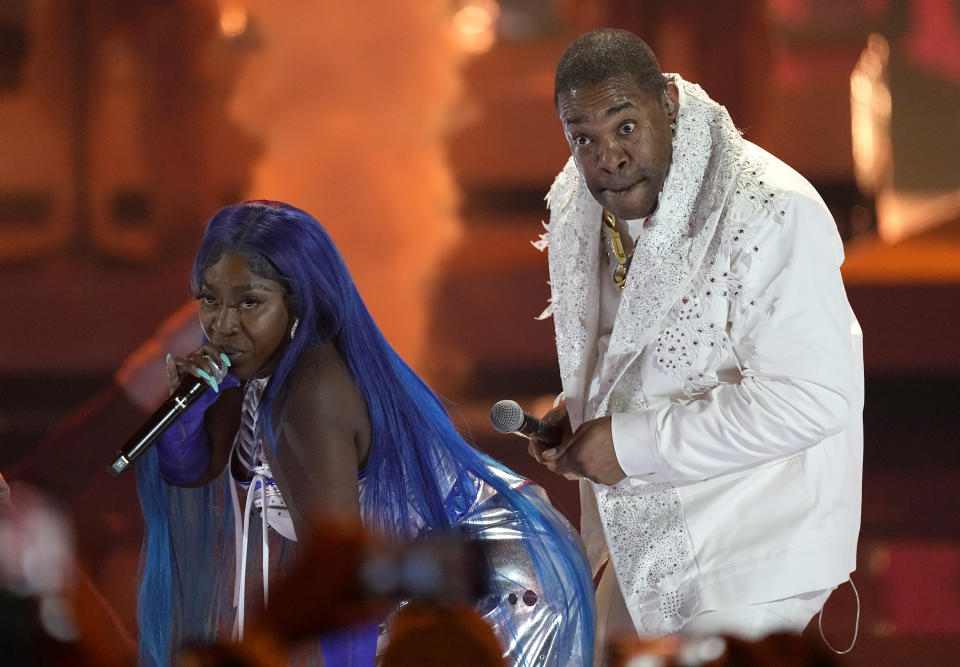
[621,141]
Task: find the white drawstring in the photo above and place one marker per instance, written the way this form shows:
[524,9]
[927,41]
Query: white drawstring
[248,452]
[258,483]
[263,472]
[240,561]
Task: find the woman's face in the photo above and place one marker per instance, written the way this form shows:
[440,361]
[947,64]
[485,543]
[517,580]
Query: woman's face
[244,314]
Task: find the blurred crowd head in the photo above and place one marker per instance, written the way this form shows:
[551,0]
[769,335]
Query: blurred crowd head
[36,576]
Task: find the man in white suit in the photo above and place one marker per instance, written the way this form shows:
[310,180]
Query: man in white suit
[711,365]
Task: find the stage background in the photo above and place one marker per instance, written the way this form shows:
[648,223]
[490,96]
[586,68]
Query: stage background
[425,139]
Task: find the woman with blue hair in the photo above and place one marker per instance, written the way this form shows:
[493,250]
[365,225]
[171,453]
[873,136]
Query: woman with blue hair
[317,416]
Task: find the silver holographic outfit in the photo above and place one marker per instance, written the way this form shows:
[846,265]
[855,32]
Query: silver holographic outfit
[526,626]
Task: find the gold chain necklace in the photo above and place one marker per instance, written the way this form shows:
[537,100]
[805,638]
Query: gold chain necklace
[616,251]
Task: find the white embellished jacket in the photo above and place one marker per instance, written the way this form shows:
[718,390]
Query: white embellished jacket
[733,373]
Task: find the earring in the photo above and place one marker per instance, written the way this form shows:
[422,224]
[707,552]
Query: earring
[673,127]
[293,329]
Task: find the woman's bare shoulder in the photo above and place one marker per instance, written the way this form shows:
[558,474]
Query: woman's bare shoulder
[321,370]
[323,436]
[323,391]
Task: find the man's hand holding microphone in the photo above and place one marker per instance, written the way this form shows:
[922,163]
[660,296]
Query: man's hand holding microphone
[587,453]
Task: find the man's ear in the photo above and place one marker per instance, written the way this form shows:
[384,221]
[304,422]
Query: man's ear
[671,100]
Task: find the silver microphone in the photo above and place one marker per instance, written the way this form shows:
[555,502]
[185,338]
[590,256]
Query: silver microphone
[508,417]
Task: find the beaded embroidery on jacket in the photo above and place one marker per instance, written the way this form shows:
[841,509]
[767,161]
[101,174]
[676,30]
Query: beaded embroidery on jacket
[664,594]
[673,274]
[694,342]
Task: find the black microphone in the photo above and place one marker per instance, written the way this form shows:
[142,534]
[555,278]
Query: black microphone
[508,417]
[186,394]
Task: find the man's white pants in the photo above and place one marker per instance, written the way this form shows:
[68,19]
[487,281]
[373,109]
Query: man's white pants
[750,622]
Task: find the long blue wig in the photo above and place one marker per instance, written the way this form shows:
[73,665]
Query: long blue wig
[412,438]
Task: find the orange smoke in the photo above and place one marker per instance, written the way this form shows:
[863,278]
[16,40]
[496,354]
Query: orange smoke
[349,102]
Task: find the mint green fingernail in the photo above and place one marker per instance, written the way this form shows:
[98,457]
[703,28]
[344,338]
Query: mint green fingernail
[210,380]
[168,356]
[226,359]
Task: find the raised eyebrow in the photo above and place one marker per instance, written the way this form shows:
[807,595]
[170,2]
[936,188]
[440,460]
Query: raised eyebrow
[576,120]
[617,109]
